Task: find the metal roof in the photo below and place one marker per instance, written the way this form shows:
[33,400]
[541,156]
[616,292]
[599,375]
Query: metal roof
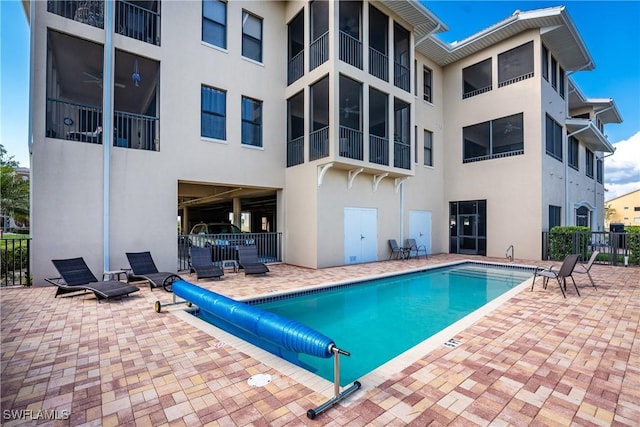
[415,14]
[556,28]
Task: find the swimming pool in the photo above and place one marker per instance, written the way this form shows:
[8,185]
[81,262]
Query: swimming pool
[379,319]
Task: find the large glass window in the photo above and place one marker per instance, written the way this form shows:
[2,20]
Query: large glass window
[468,227]
[213,113]
[553,132]
[476,79]
[495,138]
[426,84]
[515,65]
[401,68]
[589,163]
[295,48]
[555,217]
[572,152]
[378,127]
[251,122]
[319,138]
[378,44]
[251,36]
[319,28]
[214,22]
[428,148]
[402,136]
[350,118]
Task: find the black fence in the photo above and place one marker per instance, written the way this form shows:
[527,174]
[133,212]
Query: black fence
[15,268]
[224,247]
[621,249]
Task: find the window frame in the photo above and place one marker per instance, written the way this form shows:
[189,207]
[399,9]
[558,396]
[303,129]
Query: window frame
[555,144]
[490,128]
[555,212]
[214,23]
[573,152]
[524,51]
[427,84]
[248,37]
[255,124]
[589,160]
[223,114]
[475,69]
[545,63]
[427,144]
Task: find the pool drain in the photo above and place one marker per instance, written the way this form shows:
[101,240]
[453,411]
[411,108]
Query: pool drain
[453,343]
[259,380]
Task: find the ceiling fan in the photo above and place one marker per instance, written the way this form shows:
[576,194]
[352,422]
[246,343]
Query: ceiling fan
[349,109]
[508,128]
[92,78]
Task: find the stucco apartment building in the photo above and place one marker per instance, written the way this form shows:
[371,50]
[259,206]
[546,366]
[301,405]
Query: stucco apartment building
[624,209]
[338,125]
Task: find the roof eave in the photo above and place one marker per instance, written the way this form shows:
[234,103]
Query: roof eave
[587,132]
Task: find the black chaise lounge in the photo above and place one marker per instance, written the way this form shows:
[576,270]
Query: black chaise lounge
[76,277]
[143,268]
[203,266]
[248,258]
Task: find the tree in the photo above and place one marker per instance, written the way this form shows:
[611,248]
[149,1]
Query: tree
[14,190]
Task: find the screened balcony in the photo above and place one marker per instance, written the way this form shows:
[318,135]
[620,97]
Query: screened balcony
[350,31]
[295,51]
[90,12]
[401,70]
[378,44]
[139,20]
[319,28]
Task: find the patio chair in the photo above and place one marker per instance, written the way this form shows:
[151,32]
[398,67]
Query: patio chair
[413,247]
[202,265]
[584,268]
[566,270]
[396,251]
[248,259]
[76,276]
[143,268]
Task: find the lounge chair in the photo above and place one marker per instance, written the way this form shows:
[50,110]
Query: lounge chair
[248,258]
[396,251]
[76,276]
[202,265]
[566,270]
[413,247]
[584,268]
[143,268]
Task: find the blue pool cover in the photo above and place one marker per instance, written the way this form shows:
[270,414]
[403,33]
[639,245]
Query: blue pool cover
[274,333]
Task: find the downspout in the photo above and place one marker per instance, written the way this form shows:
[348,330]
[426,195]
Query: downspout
[107,130]
[402,214]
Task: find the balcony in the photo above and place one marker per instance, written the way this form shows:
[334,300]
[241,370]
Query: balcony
[379,150]
[350,50]
[319,144]
[378,64]
[90,12]
[351,143]
[319,51]
[138,22]
[401,76]
[401,154]
[295,67]
[295,151]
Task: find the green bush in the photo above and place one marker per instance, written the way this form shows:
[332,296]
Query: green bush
[634,244]
[567,240]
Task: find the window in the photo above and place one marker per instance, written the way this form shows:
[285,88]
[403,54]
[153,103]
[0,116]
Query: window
[599,170]
[589,163]
[554,75]
[428,148]
[214,113]
[378,127]
[251,122]
[561,75]
[426,84]
[350,105]
[378,44]
[401,53]
[295,48]
[515,65]
[493,139]
[295,129]
[545,62]
[583,217]
[402,134]
[319,117]
[572,152]
[476,79]
[554,138]
[554,216]
[251,36]
[214,22]
[319,29]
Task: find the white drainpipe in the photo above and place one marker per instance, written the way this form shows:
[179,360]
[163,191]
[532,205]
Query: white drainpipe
[107,130]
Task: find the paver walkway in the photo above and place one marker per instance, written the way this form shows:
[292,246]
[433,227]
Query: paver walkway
[538,359]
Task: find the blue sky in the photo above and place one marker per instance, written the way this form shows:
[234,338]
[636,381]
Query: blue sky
[609,29]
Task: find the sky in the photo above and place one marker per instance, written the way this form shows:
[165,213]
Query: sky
[609,29]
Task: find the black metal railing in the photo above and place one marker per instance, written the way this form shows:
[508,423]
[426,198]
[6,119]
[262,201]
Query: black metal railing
[351,143]
[137,22]
[90,12]
[378,64]
[401,154]
[319,144]
[401,76]
[319,51]
[295,151]
[350,50]
[15,267]
[136,131]
[74,121]
[379,150]
[224,247]
[295,67]
[619,249]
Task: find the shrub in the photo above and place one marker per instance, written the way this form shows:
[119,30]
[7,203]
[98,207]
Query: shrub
[566,240]
[634,244]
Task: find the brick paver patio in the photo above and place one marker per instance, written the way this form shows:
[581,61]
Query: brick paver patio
[537,359]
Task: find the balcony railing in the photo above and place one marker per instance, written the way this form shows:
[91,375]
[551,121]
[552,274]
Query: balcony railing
[379,150]
[295,67]
[350,50]
[295,151]
[350,143]
[401,76]
[319,144]
[136,131]
[137,22]
[319,51]
[401,154]
[378,64]
[90,12]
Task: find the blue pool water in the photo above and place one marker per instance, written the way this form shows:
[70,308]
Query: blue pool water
[378,320]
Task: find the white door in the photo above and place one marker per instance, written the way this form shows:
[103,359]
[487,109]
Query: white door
[360,235]
[420,228]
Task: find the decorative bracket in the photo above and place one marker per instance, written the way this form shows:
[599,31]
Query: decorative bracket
[352,175]
[322,169]
[399,181]
[377,179]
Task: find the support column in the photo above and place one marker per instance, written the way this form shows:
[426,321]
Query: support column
[237,211]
